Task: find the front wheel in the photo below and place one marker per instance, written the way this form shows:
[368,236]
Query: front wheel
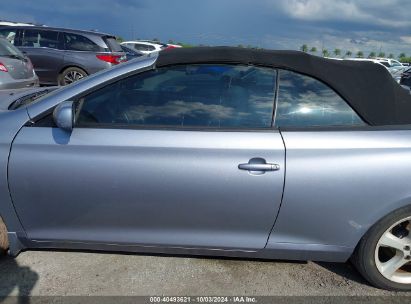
[70,75]
[4,243]
[383,256]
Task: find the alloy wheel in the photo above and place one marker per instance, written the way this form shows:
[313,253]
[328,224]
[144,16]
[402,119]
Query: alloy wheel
[393,252]
[72,76]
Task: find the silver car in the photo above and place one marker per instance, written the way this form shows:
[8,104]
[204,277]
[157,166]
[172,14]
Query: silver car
[62,56]
[215,151]
[16,70]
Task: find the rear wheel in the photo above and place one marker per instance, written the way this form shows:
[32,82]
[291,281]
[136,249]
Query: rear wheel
[70,75]
[383,256]
[4,242]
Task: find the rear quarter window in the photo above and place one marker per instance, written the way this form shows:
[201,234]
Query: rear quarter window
[113,44]
[307,102]
[75,42]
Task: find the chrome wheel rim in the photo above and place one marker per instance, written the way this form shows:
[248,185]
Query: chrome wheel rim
[72,76]
[393,252]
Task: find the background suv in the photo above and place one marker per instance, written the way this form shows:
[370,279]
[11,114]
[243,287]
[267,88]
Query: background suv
[62,56]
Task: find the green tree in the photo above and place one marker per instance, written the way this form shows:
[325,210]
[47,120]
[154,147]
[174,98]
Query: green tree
[372,55]
[325,53]
[391,56]
[360,54]
[313,50]
[240,46]
[405,59]
[119,39]
[348,53]
[337,52]
[381,54]
[304,48]
[402,55]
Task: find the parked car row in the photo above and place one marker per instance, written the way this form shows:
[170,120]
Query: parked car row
[148,47]
[406,78]
[63,56]
[393,66]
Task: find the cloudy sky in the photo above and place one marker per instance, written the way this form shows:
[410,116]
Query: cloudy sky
[367,25]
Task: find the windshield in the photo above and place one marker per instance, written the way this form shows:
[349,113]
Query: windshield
[7,49]
[395,63]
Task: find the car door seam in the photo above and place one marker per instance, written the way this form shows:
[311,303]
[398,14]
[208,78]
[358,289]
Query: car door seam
[282,195]
[8,178]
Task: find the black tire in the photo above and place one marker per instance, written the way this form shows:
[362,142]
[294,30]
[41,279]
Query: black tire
[72,73]
[364,255]
[4,242]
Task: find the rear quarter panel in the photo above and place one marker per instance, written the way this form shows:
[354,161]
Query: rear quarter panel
[85,60]
[340,183]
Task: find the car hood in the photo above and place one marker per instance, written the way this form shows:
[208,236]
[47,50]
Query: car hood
[7,97]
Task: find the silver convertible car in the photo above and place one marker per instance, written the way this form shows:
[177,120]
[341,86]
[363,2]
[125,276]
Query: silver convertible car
[215,151]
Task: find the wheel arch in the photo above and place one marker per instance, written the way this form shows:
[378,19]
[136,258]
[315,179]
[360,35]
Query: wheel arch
[380,214]
[77,66]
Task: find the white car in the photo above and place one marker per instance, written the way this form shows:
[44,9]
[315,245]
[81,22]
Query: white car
[385,64]
[145,47]
[393,66]
[392,62]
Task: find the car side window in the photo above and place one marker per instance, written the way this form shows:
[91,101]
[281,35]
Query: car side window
[214,96]
[306,102]
[141,47]
[40,38]
[150,48]
[10,35]
[74,42]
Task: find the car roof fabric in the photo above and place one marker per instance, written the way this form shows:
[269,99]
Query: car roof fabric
[367,87]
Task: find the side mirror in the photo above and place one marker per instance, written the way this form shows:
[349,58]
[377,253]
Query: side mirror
[64,116]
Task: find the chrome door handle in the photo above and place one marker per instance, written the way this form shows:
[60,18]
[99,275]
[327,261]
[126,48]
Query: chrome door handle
[258,165]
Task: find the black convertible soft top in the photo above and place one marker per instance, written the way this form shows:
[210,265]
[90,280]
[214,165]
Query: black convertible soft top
[368,87]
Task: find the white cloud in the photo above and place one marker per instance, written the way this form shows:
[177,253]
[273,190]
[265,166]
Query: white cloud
[406,39]
[390,13]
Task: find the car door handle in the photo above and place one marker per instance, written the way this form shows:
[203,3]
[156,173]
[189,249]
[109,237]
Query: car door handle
[258,165]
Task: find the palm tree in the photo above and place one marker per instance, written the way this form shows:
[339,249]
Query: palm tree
[372,55]
[304,48]
[325,53]
[360,54]
[337,52]
[348,53]
[313,50]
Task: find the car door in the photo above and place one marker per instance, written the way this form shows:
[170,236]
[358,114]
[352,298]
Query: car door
[180,156]
[43,49]
[331,155]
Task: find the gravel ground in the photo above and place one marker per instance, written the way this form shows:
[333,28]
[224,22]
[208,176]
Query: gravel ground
[73,273]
